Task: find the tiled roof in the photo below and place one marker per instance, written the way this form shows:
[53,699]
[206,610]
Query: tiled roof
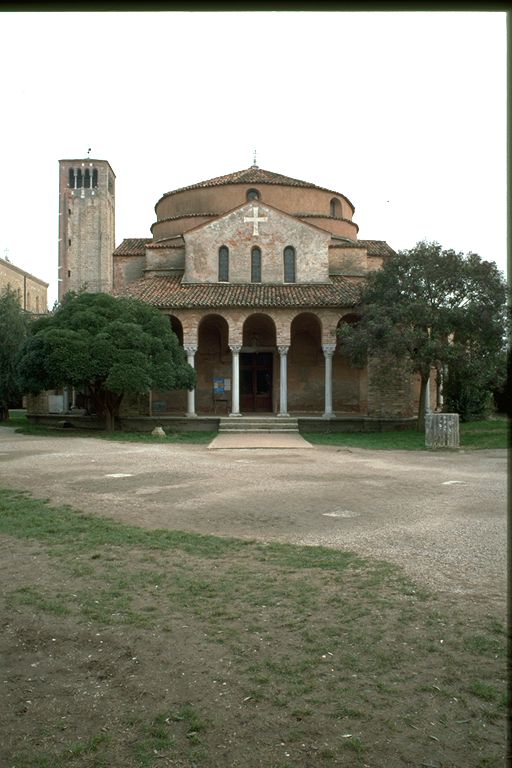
[137,246]
[254,175]
[377,247]
[169,292]
[133,246]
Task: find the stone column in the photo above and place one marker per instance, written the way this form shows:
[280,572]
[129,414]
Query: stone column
[328,350]
[235,383]
[283,381]
[191,350]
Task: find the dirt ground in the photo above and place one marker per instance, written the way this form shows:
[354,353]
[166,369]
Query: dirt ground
[441,516]
[70,684]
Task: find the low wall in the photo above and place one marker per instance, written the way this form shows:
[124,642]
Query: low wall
[211,423]
[354,424]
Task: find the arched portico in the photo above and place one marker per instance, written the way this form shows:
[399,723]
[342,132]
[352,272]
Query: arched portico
[306,364]
[174,401]
[350,385]
[213,365]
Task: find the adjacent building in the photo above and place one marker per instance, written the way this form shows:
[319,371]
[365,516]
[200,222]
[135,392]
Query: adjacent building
[32,291]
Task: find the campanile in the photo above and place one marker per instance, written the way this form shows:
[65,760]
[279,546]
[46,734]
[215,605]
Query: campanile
[86,225]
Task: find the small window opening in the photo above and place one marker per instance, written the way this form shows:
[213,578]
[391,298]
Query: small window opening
[71,181]
[79,178]
[256,265]
[289,264]
[335,208]
[87,178]
[94,177]
[223,264]
[252,194]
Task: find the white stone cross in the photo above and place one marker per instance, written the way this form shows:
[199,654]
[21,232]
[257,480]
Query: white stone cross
[255,220]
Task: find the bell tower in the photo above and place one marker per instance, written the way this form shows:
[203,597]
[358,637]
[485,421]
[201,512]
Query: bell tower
[86,226]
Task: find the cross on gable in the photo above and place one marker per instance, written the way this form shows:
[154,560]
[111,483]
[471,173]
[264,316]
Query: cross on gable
[255,220]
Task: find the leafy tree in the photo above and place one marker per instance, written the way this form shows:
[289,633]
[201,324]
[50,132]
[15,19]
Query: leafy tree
[111,346]
[13,331]
[432,307]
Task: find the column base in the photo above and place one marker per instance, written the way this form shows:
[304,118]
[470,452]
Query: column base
[283,415]
[234,414]
[329,415]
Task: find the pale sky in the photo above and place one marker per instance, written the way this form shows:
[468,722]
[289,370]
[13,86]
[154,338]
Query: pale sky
[402,112]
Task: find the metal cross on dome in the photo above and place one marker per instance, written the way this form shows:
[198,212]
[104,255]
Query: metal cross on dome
[255,220]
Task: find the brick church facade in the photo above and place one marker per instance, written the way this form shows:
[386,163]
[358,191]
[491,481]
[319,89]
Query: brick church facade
[257,271]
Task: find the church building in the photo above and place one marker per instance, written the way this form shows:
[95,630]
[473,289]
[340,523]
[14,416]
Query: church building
[256,272]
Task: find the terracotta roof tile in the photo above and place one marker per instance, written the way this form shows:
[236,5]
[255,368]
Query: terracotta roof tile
[133,246]
[254,175]
[378,248]
[168,292]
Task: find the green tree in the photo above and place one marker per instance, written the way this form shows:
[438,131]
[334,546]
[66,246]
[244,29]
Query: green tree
[109,346]
[431,307]
[13,331]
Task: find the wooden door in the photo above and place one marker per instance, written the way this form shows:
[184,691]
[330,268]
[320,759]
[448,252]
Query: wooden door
[256,382]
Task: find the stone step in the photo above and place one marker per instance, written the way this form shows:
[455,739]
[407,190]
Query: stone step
[258,424]
[259,431]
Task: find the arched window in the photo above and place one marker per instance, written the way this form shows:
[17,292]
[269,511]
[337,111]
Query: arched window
[252,194]
[335,208]
[289,264]
[94,177]
[87,178]
[79,178]
[223,264]
[71,182]
[256,265]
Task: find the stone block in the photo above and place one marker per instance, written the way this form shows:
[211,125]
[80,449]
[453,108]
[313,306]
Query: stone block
[442,430]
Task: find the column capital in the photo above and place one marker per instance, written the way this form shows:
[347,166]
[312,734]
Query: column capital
[283,350]
[328,349]
[190,349]
[235,348]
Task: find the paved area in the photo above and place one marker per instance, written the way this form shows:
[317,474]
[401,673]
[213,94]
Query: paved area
[237,440]
[442,516]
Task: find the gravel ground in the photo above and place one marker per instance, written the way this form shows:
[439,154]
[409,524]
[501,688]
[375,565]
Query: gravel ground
[441,516]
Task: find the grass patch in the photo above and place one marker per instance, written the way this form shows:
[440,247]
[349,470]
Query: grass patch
[474,435]
[489,433]
[194,650]
[18,419]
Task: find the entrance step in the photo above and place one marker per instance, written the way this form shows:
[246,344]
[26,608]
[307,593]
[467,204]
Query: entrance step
[258,424]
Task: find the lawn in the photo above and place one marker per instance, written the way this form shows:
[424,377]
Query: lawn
[488,433]
[131,648]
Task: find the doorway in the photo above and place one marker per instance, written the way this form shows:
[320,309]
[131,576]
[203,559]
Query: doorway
[256,382]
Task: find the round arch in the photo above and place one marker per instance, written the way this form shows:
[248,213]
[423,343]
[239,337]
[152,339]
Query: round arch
[259,330]
[350,384]
[213,364]
[306,364]
[177,327]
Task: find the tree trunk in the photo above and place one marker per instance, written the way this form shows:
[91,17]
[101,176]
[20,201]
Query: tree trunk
[112,403]
[420,426]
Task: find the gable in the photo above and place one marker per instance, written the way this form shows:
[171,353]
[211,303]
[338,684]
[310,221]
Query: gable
[256,224]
